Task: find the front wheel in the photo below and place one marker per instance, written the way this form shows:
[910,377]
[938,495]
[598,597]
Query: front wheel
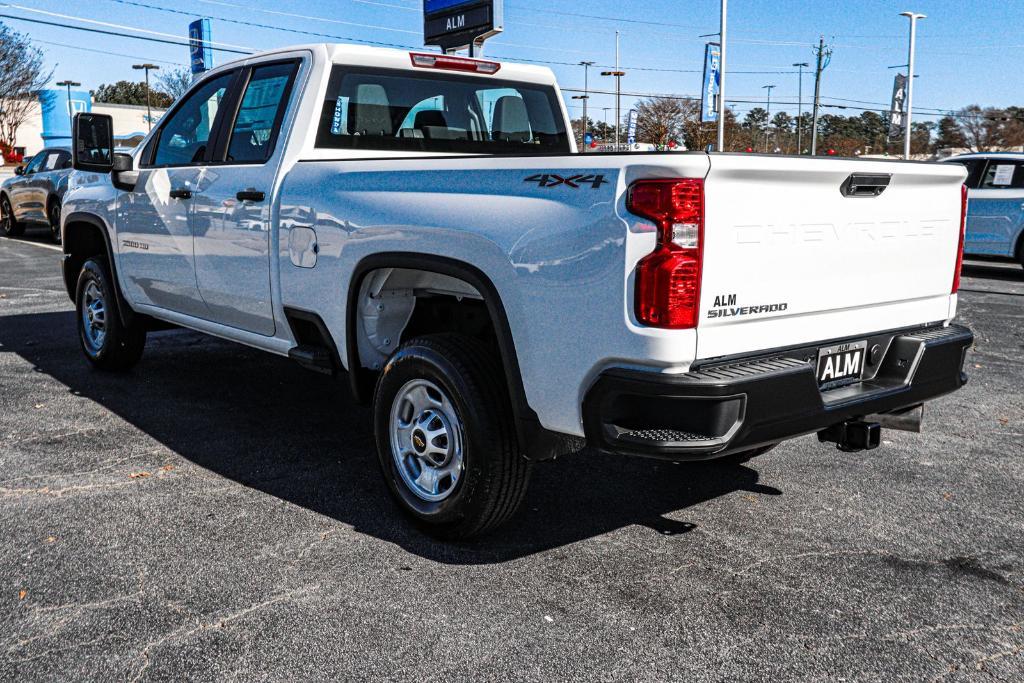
[107,342]
[445,436]
[8,225]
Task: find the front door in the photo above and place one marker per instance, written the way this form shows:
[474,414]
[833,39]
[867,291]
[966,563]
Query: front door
[157,259]
[233,204]
[996,209]
[25,191]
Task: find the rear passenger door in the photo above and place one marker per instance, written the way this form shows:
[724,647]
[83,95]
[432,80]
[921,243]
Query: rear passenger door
[996,210]
[231,223]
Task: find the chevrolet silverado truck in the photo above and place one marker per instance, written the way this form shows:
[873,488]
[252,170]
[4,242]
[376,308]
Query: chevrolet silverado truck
[422,225]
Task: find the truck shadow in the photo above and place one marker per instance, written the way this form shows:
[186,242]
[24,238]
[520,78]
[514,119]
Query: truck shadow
[263,422]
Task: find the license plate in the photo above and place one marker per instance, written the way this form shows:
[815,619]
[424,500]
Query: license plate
[841,364]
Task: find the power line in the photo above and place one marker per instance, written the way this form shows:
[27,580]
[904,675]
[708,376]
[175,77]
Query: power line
[114,33]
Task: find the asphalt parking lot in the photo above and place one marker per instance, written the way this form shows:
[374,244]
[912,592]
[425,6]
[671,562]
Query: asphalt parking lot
[218,513]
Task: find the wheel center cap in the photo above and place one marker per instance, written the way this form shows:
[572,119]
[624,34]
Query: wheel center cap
[419,441]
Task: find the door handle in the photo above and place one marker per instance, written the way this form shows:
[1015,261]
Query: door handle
[250,196]
[181,193]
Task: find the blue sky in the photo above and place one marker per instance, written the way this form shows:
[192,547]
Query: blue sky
[968,51]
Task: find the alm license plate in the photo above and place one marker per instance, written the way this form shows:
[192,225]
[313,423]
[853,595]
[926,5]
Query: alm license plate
[841,364]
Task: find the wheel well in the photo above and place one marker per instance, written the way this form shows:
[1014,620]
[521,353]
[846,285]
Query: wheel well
[82,240]
[398,304]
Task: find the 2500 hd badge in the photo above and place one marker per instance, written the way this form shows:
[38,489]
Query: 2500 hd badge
[725,307]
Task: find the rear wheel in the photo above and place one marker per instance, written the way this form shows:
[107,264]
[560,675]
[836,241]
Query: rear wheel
[53,214]
[445,436]
[8,225]
[107,342]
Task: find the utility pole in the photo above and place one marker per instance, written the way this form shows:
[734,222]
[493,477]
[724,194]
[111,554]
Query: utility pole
[910,78]
[768,121]
[720,147]
[149,112]
[800,108]
[824,55]
[586,97]
[71,112]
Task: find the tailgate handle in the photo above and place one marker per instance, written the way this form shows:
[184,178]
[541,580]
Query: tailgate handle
[865,184]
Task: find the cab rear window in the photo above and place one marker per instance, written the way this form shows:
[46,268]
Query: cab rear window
[439,112]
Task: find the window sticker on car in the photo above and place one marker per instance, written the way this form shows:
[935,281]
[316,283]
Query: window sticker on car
[1004,174]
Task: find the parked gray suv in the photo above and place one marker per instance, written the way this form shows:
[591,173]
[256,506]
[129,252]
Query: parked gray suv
[33,196]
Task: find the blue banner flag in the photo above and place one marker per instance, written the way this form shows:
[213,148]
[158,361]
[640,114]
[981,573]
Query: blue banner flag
[712,83]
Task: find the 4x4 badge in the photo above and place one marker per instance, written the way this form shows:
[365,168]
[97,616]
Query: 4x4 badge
[552,180]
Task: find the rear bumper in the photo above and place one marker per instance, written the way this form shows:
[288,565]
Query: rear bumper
[724,408]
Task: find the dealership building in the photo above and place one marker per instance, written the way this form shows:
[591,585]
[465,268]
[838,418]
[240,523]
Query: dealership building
[49,121]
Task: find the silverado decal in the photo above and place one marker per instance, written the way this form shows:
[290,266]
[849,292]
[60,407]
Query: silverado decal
[725,307]
[552,180]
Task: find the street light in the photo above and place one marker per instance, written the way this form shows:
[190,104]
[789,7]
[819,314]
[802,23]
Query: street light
[910,78]
[585,97]
[147,67]
[800,108]
[618,101]
[71,111]
[768,121]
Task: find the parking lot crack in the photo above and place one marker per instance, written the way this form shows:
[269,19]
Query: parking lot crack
[186,630]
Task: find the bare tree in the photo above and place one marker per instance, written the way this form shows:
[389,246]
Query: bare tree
[661,120]
[22,75]
[175,82]
[980,127]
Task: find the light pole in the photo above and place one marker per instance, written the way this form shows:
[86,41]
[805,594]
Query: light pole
[71,111]
[147,67]
[618,101]
[800,108]
[721,77]
[768,121]
[586,97]
[910,78]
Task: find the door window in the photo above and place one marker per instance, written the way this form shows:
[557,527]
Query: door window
[1003,175]
[55,160]
[36,164]
[259,116]
[184,136]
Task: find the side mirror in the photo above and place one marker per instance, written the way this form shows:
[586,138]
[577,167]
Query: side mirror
[92,144]
[19,170]
[122,162]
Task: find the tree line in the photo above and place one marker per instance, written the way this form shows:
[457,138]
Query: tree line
[664,120]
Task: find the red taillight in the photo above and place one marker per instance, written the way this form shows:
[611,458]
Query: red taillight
[668,280]
[963,235]
[425,60]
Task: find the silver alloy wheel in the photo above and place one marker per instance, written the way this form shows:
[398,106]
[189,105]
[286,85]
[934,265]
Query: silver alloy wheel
[426,440]
[94,316]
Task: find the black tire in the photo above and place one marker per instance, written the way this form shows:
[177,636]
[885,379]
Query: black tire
[494,473]
[9,226]
[53,216]
[120,347]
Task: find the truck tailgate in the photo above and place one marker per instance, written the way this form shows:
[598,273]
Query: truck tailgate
[791,258]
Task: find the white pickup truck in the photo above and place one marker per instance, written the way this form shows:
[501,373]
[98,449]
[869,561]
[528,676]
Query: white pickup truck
[423,225]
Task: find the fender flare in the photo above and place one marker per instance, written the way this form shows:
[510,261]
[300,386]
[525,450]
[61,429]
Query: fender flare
[124,311]
[535,442]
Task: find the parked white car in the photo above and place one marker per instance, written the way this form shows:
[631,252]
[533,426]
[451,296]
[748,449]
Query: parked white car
[422,224]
